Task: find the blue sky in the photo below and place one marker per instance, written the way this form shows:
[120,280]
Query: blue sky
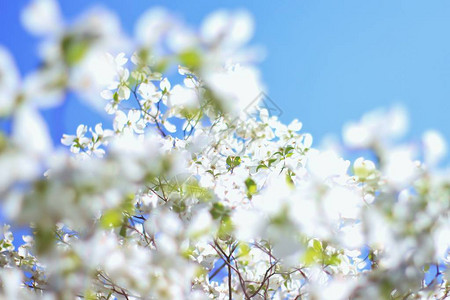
[327,61]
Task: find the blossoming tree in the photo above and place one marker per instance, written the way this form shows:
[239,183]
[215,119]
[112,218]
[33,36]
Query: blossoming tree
[196,191]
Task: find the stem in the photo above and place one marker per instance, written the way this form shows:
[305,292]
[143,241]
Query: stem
[146,112]
[230,292]
[217,271]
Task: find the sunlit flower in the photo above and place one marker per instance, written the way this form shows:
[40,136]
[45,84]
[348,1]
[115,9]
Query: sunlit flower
[9,82]
[132,121]
[42,17]
[435,147]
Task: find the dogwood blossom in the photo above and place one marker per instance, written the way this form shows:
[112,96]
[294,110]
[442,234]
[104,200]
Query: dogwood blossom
[194,190]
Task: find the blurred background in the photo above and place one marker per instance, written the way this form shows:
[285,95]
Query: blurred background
[327,62]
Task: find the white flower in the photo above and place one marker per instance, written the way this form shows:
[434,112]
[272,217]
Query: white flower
[42,17]
[400,169]
[148,92]
[152,25]
[232,30]
[324,165]
[183,97]
[183,70]
[180,38]
[30,132]
[200,224]
[352,237]
[12,282]
[78,141]
[363,168]
[341,202]
[376,127]
[307,140]
[442,240]
[435,147]
[9,82]
[165,87]
[119,61]
[357,136]
[100,134]
[95,70]
[123,91]
[45,88]
[249,224]
[295,125]
[238,88]
[113,104]
[337,289]
[133,121]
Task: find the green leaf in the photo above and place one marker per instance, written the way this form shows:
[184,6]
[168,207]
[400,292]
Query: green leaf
[90,295]
[4,245]
[262,166]
[161,65]
[74,49]
[123,230]
[44,239]
[244,249]
[218,210]
[287,149]
[127,205]
[251,288]
[271,161]
[370,256]
[317,245]
[201,193]
[211,172]
[179,206]
[188,252]
[111,218]
[251,187]
[190,59]
[144,55]
[233,162]
[3,142]
[229,161]
[332,260]
[289,180]
[226,228]
[311,256]
[116,97]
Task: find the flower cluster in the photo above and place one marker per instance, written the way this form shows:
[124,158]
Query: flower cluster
[188,195]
